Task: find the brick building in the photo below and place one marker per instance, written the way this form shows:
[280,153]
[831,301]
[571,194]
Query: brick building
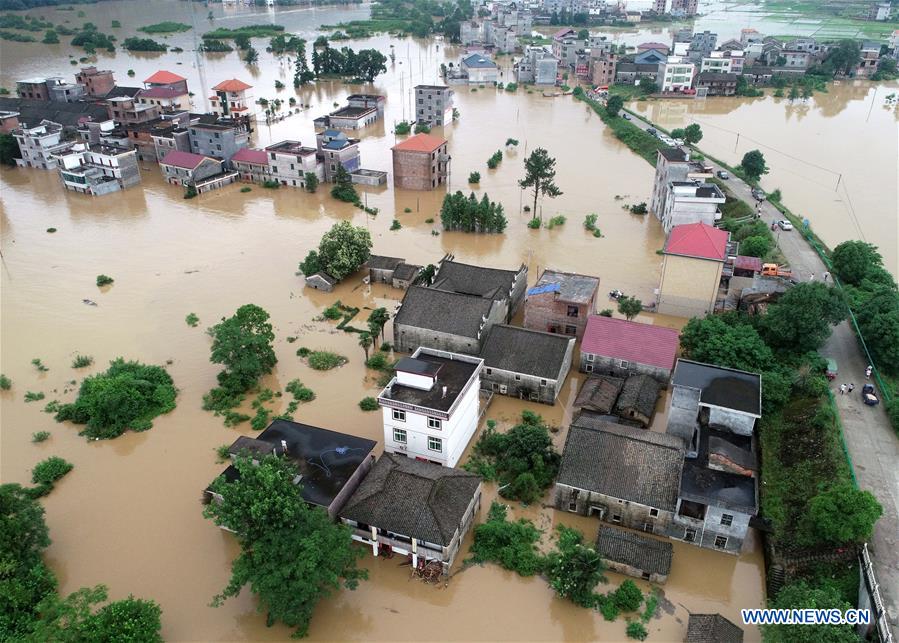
[561,302]
[97,83]
[420,162]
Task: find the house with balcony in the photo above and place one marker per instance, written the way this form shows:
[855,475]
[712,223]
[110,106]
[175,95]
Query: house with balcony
[330,465]
[621,348]
[232,98]
[714,84]
[335,148]
[97,82]
[537,66]
[870,57]
[433,105]
[527,364]
[421,162]
[696,261]
[289,161]
[97,169]
[431,405]
[623,475]
[716,62]
[251,165]
[673,164]
[360,111]
[40,145]
[415,509]
[166,90]
[129,111]
[166,138]
[675,75]
[203,173]
[633,554]
[561,302]
[218,140]
[691,202]
[479,69]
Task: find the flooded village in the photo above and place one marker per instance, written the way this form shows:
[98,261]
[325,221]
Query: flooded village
[199,182]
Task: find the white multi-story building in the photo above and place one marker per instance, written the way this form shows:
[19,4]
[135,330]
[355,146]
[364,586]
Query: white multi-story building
[232,98]
[288,162]
[431,406]
[97,169]
[675,75]
[717,63]
[39,144]
[691,202]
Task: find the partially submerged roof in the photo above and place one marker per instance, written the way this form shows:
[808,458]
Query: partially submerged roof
[249,155]
[572,287]
[712,628]
[379,262]
[33,111]
[490,283]
[411,498]
[164,78]
[185,160]
[526,351]
[623,462]
[726,388]
[598,393]
[443,311]
[640,393]
[232,85]
[630,341]
[697,240]
[420,143]
[642,552]
[161,92]
[325,459]
[478,61]
[406,271]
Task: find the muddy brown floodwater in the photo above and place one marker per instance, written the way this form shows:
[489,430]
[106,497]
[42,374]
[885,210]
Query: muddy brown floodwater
[129,514]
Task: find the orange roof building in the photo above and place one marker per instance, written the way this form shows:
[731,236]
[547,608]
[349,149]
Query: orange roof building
[420,162]
[232,85]
[232,97]
[165,78]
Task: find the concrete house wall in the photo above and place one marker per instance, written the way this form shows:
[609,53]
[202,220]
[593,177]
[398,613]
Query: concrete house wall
[612,510]
[689,286]
[630,570]
[704,533]
[602,365]
[546,312]
[408,338]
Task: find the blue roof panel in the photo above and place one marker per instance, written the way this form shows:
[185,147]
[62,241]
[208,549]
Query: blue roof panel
[539,290]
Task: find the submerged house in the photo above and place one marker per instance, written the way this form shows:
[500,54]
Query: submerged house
[598,394]
[392,270]
[504,286]
[635,555]
[637,402]
[561,302]
[330,465]
[622,474]
[712,628]
[524,363]
[620,348]
[414,509]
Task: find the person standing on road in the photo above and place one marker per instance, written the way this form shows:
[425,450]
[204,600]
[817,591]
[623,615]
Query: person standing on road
[868,372]
[851,387]
[812,278]
[842,389]
[826,276]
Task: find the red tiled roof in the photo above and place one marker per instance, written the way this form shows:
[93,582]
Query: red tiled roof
[185,160]
[248,155]
[652,45]
[563,32]
[742,262]
[232,85]
[420,143]
[164,78]
[631,341]
[697,240]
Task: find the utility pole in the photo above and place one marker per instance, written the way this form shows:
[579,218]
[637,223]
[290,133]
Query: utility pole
[737,142]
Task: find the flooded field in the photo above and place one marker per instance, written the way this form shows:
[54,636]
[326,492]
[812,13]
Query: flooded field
[129,514]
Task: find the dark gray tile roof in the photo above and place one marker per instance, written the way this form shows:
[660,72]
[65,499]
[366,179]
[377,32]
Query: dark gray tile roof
[119,91]
[640,392]
[579,289]
[713,76]
[32,112]
[526,351]
[405,271]
[412,498]
[252,445]
[491,283]
[724,387]
[645,553]
[673,154]
[443,311]
[720,488]
[623,462]
[598,393]
[379,262]
[712,628]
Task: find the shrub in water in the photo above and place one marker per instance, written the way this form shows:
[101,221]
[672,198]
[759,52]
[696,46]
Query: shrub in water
[104,280]
[368,404]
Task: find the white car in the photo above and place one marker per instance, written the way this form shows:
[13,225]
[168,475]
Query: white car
[679,142]
[783,224]
[667,140]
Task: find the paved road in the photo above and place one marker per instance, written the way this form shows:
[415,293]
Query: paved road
[872,443]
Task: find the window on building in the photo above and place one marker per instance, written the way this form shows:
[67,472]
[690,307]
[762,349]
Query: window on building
[690,535]
[653,512]
[572,311]
[590,357]
[435,444]
[720,542]
[542,382]
[517,377]
[434,423]
[489,371]
[645,575]
[648,527]
[727,520]
[572,506]
[399,435]
[571,330]
[399,416]
[616,517]
[623,363]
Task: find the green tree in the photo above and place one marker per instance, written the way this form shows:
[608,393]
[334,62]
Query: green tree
[311,181]
[574,569]
[630,307]
[801,319]
[243,344]
[9,149]
[800,595]
[343,249]
[343,189]
[583,34]
[292,555]
[539,175]
[693,134]
[678,133]
[377,320]
[758,245]
[50,37]
[844,514]
[648,86]
[614,105]
[753,164]
[844,58]
[251,57]
[627,597]
[512,545]
[370,63]
[733,345]
[852,260]
[365,341]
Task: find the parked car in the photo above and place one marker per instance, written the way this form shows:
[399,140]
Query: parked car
[667,140]
[868,395]
[783,224]
[758,194]
[651,130]
[832,370]
[724,176]
[625,116]
[679,142]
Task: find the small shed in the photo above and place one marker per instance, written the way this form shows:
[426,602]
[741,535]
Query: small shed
[381,268]
[405,275]
[747,266]
[598,394]
[637,402]
[635,555]
[712,628]
[321,281]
